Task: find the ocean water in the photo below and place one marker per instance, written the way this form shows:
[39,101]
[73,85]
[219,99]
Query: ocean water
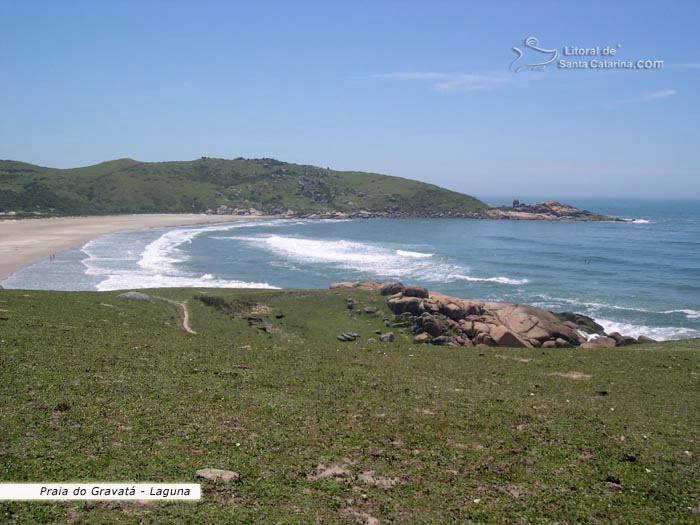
[636,278]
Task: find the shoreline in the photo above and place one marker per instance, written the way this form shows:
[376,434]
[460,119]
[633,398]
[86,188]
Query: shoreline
[23,241]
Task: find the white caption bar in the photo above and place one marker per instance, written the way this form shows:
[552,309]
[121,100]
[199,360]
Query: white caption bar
[100,491]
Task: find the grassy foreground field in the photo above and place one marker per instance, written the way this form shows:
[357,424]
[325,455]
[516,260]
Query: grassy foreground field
[99,388]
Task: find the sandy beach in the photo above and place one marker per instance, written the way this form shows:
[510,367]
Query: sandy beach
[24,241]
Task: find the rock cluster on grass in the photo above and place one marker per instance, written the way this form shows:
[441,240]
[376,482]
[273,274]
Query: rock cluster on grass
[443,320]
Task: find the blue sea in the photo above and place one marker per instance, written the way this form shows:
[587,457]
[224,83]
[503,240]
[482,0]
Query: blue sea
[640,277]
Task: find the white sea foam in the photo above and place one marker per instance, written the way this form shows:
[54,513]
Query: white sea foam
[127,280]
[690,314]
[367,258]
[417,255]
[556,302]
[638,221]
[156,264]
[501,280]
[660,333]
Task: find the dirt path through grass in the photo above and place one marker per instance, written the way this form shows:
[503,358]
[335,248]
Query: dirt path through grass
[185,313]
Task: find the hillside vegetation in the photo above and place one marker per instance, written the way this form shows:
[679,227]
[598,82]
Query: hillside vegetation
[268,185]
[95,387]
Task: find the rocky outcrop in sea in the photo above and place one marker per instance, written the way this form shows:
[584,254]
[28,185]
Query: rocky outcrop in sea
[440,319]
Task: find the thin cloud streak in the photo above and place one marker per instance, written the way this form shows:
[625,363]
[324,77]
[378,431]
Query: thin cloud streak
[647,97]
[665,93]
[449,82]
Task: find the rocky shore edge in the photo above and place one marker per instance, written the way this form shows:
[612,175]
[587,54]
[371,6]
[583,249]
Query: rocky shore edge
[543,211]
[438,319]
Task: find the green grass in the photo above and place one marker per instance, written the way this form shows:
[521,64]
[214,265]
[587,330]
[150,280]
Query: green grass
[98,388]
[128,186]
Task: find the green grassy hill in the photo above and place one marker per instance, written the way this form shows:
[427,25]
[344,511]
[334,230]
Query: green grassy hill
[94,387]
[128,186]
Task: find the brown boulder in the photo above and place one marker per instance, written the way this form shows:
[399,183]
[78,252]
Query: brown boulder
[421,338]
[399,305]
[453,311]
[533,323]
[504,337]
[645,339]
[416,291]
[600,342]
[391,288]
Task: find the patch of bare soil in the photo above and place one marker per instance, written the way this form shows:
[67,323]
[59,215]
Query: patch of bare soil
[259,308]
[369,477]
[571,375]
[337,471]
[361,516]
[518,359]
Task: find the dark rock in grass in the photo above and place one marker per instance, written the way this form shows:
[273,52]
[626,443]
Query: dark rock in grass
[347,336]
[428,323]
[350,303]
[630,457]
[443,340]
[642,339]
[391,288]
[370,310]
[602,392]
[613,482]
[138,296]
[215,474]
[387,337]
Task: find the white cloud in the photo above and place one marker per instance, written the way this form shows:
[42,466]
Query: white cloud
[450,82]
[664,93]
[646,97]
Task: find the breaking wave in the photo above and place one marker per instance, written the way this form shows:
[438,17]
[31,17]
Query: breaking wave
[156,263]
[369,258]
[663,333]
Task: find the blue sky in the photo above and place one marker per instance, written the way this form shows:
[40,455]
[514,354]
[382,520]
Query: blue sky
[416,89]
